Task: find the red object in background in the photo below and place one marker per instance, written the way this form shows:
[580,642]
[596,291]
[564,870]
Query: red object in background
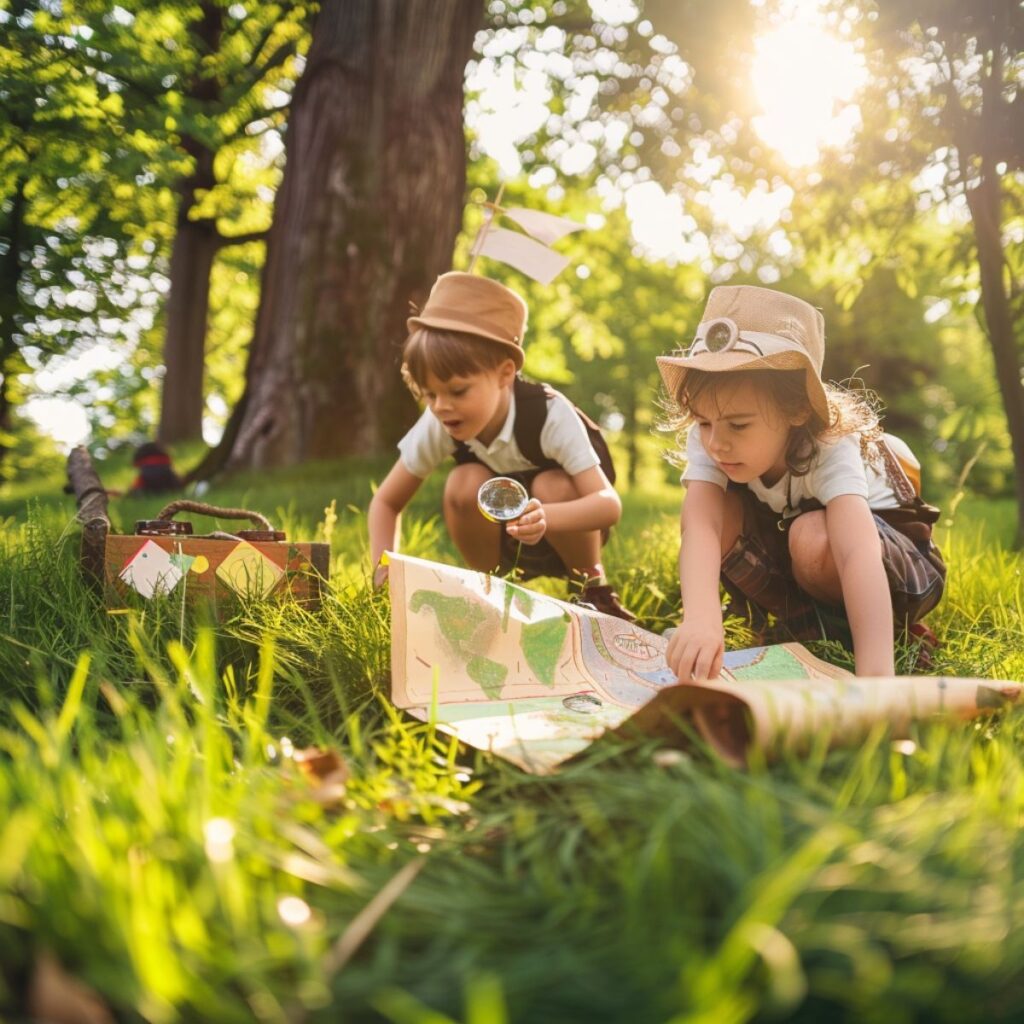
[156,474]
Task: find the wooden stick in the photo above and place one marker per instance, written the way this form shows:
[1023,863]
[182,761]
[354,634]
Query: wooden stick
[366,920]
[493,209]
[361,925]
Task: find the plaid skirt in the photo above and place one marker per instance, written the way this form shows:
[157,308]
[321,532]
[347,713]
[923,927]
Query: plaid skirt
[757,574]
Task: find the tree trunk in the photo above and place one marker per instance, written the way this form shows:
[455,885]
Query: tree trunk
[195,247]
[11,231]
[364,221]
[985,205]
[194,250]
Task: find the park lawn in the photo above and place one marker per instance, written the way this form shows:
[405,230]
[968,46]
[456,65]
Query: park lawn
[159,839]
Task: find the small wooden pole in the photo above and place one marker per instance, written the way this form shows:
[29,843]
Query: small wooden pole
[493,209]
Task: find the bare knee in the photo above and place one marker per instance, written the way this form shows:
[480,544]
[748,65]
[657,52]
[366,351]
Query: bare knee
[553,485]
[461,487]
[811,555]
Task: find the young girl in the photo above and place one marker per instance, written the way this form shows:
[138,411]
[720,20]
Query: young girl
[795,499]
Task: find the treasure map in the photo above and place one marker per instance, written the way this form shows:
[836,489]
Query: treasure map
[536,680]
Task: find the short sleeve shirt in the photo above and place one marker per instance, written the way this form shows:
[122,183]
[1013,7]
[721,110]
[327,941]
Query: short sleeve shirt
[563,439]
[838,469]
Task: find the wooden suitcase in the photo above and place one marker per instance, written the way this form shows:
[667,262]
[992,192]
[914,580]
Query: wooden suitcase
[164,557]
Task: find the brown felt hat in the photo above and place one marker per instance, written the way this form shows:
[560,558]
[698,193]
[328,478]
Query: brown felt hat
[478,306]
[749,328]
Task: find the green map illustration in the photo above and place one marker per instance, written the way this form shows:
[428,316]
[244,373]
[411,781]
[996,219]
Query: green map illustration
[523,674]
[535,680]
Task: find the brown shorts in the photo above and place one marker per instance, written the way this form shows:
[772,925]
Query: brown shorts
[758,575]
[531,560]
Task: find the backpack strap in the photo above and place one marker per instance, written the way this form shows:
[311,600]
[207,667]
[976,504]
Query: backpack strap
[900,483]
[531,415]
[913,508]
[463,454]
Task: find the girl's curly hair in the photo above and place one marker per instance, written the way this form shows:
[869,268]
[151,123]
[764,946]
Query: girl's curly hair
[851,410]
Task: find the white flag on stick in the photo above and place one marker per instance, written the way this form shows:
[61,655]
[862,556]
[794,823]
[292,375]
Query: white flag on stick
[527,256]
[545,227]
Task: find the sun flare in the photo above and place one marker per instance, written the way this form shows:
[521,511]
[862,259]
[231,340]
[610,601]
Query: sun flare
[804,79]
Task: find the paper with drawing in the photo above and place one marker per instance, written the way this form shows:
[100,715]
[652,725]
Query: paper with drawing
[536,680]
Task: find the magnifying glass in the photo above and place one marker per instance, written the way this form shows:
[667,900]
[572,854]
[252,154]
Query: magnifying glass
[502,499]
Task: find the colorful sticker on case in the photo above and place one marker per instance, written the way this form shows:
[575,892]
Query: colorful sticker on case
[248,572]
[151,571]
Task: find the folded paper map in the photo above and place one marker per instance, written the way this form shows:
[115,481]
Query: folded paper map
[536,680]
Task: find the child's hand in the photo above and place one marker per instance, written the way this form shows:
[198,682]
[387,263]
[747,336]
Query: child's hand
[531,525]
[696,649]
[380,577]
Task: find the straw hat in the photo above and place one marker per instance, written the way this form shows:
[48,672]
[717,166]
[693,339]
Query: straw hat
[475,305]
[748,328]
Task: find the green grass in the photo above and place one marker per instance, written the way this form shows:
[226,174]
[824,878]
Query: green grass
[159,838]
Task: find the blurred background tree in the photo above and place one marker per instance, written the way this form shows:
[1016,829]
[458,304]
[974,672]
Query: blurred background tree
[141,146]
[678,132]
[365,219]
[931,196]
[52,198]
[205,89]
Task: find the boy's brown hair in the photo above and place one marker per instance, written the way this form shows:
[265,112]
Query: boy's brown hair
[447,354]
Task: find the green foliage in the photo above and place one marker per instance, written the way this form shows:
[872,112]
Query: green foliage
[234,298]
[595,331]
[32,456]
[159,839]
[939,129]
[631,87]
[122,123]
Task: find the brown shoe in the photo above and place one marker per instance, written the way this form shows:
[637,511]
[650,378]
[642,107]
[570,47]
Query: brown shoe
[602,598]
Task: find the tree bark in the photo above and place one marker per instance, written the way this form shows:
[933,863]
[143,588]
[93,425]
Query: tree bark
[12,231]
[195,247]
[985,205]
[364,221]
[192,255]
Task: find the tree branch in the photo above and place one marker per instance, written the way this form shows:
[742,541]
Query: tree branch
[223,241]
[257,50]
[281,54]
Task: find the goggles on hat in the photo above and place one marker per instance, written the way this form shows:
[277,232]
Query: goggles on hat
[722,335]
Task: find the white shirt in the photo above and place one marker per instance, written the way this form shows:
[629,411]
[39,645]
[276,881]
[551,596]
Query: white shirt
[839,468]
[563,439]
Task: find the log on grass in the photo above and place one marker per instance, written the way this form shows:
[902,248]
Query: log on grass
[91,497]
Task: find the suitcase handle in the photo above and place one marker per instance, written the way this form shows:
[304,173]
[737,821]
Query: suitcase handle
[168,512]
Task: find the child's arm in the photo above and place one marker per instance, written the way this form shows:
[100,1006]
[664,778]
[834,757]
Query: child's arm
[696,648]
[597,506]
[384,515]
[857,552]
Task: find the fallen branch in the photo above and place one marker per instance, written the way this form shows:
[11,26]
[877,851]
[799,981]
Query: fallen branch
[362,925]
[91,497]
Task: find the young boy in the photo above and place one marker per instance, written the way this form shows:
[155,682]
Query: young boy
[462,358]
